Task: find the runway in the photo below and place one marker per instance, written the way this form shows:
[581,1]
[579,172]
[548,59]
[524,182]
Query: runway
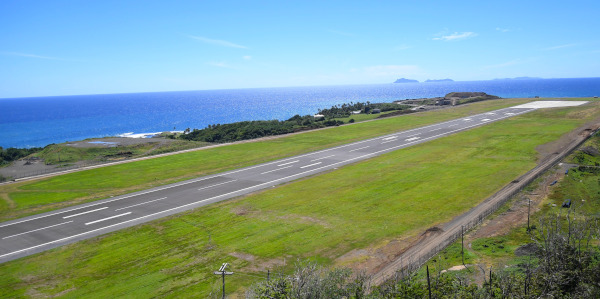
[26,236]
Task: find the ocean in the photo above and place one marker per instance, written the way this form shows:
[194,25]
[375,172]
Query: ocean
[36,122]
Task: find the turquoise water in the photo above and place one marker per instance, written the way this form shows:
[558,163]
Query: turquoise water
[28,122]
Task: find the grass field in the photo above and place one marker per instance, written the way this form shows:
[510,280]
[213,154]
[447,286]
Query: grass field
[321,218]
[581,186]
[63,154]
[23,198]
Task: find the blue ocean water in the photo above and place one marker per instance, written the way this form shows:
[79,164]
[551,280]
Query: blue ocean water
[29,122]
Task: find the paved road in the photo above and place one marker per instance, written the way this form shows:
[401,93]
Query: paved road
[41,232]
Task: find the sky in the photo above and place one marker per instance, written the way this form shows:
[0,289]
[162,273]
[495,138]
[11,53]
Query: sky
[58,47]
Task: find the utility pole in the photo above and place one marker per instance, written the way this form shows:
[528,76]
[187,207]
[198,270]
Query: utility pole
[428,283]
[462,242]
[528,211]
[490,281]
[222,272]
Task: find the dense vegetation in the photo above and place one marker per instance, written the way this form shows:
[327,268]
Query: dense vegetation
[255,129]
[12,154]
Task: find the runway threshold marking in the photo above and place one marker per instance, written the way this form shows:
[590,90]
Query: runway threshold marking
[35,230]
[288,163]
[219,184]
[107,218]
[276,169]
[486,119]
[358,149]
[86,212]
[226,194]
[310,165]
[139,204]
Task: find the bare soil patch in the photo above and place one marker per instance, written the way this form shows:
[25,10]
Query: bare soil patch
[374,258]
[516,215]
[116,141]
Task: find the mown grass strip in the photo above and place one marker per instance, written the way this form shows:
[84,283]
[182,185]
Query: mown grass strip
[100,183]
[397,194]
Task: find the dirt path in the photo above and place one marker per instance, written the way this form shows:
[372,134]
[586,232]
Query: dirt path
[436,239]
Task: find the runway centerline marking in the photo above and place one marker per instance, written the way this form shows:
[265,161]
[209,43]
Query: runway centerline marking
[358,149]
[411,139]
[486,119]
[309,165]
[391,137]
[322,158]
[139,204]
[466,119]
[219,184]
[35,230]
[107,218]
[276,169]
[288,163]
[84,213]
[248,188]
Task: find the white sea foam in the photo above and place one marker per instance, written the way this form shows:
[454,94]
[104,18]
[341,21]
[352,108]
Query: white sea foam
[144,135]
[138,135]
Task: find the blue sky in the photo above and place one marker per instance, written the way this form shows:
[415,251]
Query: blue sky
[93,47]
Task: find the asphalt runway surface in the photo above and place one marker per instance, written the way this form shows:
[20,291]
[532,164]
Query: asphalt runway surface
[37,233]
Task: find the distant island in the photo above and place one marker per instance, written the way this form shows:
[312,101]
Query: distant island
[404,80]
[439,80]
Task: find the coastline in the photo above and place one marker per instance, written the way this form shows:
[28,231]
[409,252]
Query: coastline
[36,122]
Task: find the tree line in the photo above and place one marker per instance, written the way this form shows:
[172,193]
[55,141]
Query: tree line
[12,154]
[260,128]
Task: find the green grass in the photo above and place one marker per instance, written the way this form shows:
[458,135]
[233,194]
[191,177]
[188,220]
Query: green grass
[582,187]
[33,199]
[64,154]
[129,177]
[397,194]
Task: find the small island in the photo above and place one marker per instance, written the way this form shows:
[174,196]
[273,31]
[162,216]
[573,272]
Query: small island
[438,80]
[404,80]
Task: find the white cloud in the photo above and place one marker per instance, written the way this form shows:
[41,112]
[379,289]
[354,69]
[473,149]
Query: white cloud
[247,57]
[220,64]
[505,64]
[502,29]
[30,55]
[456,36]
[560,47]
[391,70]
[402,47]
[217,42]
